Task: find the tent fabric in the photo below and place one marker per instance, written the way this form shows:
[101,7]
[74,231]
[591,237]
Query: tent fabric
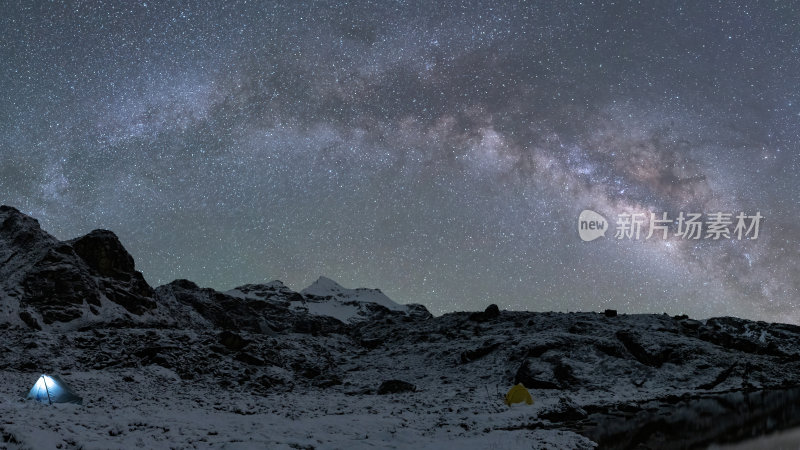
[51,389]
[518,394]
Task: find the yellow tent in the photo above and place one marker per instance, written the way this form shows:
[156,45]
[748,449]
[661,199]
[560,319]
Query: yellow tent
[518,394]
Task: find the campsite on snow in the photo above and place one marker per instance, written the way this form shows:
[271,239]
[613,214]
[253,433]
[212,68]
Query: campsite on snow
[105,360]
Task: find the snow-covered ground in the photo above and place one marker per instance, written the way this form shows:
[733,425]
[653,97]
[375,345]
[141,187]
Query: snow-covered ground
[157,387]
[153,408]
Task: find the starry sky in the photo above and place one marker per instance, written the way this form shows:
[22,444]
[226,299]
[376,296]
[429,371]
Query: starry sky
[439,151]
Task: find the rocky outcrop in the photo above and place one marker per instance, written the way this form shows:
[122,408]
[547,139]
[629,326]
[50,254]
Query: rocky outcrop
[56,287]
[115,271]
[46,281]
[215,308]
[103,252]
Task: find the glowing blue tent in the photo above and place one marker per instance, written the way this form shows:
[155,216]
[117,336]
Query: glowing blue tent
[51,389]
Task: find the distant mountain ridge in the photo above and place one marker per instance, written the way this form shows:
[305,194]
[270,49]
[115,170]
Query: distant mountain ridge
[93,279]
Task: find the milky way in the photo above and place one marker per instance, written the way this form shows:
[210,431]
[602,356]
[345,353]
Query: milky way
[441,153]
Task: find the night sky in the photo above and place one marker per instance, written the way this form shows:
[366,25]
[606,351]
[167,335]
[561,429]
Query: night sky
[439,152]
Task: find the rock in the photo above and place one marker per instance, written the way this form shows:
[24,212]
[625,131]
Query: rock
[56,286]
[371,343]
[274,292]
[247,358]
[491,312]
[185,285]
[330,381]
[232,341]
[156,354]
[610,313]
[732,333]
[480,352]
[258,309]
[564,411]
[418,312]
[103,252]
[691,324]
[316,325]
[653,355]
[395,387]
[564,374]
[120,282]
[537,374]
[29,320]
[210,308]
[721,377]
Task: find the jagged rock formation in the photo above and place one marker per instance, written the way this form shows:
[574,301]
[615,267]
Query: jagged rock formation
[46,281]
[93,279]
[115,271]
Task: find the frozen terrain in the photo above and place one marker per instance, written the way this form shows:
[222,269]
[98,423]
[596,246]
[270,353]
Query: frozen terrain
[263,366]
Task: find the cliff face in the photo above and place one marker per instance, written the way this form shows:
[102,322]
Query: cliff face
[45,281]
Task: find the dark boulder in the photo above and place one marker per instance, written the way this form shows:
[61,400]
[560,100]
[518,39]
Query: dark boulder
[29,320]
[491,312]
[418,312]
[395,387]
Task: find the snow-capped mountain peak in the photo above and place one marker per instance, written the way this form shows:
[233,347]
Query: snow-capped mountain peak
[328,298]
[325,287]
